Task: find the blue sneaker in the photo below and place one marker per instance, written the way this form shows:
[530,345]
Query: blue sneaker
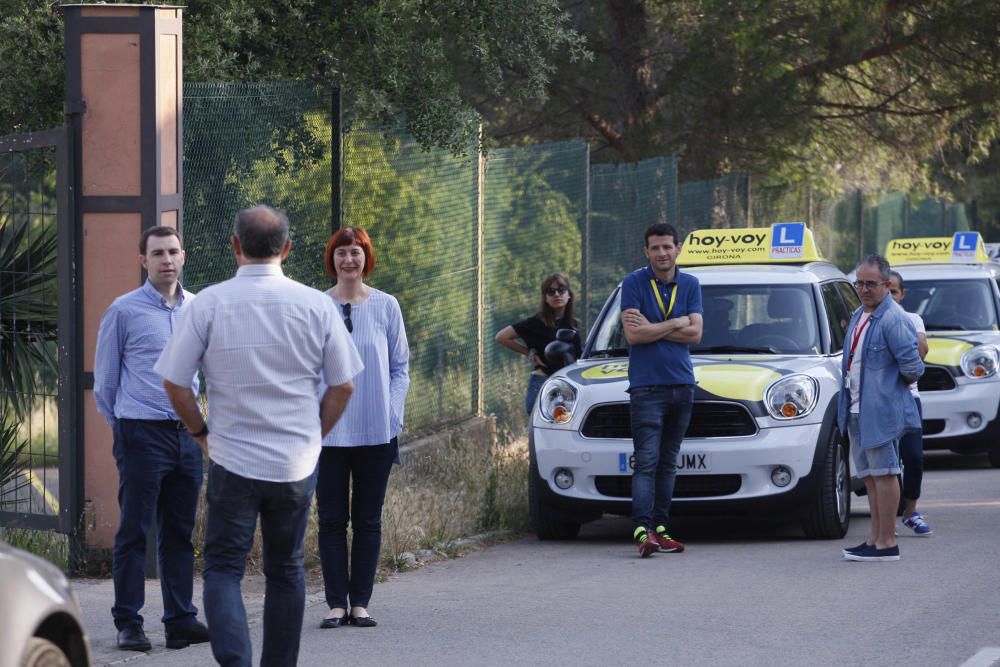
[917,524]
[873,554]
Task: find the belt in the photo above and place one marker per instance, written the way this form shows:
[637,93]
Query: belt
[172,424]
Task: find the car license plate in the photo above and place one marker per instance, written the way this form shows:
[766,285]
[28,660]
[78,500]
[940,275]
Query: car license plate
[686,462]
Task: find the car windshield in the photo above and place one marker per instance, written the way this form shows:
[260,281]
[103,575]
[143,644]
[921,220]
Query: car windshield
[741,319]
[952,305]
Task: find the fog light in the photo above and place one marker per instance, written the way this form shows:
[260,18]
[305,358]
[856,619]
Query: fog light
[974,420]
[781,476]
[564,478]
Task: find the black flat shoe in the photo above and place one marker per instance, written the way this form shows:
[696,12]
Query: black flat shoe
[363,621]
[133,639]
[192,633]
[334,622]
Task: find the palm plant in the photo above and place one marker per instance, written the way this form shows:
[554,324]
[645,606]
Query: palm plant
[28,325]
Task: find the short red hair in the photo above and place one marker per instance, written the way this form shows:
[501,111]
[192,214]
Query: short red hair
[350,236]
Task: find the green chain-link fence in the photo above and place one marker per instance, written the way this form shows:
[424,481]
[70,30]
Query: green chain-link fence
[464,242]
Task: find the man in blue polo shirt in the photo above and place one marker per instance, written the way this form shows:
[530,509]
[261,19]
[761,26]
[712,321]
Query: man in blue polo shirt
[662,316]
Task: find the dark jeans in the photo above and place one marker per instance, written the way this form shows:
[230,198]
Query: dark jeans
[234,503]
[660,416]
[355,475]
[159,474]
[911,454]
[535,383]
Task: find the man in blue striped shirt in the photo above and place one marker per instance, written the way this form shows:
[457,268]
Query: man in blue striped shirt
[159,463]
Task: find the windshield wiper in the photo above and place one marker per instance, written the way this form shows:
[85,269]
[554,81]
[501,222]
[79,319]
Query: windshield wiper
[612,352]
[718,349]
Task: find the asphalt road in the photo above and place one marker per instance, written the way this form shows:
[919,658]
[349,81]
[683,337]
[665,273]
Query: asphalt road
[744,593]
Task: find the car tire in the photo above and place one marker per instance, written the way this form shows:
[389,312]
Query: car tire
[993,453]
[39,652]
[829,515]
[547,522]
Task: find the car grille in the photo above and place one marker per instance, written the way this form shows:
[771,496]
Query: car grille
[933,426]
[935,379]
[686,486]
[709,419]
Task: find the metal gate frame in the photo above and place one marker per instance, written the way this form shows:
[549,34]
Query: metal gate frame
[69,343]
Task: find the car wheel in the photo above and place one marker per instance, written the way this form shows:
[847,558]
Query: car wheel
[994,455]
[40,652]
[547,522]
[829,514]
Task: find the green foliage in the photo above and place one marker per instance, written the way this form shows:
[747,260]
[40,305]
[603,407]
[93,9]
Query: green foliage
[393,57]
[27,309]
[840,93]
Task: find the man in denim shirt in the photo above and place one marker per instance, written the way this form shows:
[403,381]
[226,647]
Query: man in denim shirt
[661,316]
[876,407]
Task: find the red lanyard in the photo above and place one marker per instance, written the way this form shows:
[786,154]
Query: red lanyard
[858,330]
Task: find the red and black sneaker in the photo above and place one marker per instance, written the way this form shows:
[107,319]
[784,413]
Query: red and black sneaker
[666,543]
[646,541]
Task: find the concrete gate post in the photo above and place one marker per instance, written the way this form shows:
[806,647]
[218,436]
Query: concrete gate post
[124,100]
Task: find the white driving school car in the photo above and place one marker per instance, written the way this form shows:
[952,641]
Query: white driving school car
[952,284]
[763,437]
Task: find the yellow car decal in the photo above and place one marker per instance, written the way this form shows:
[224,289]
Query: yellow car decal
[945,351]
[610,371]
[735,381]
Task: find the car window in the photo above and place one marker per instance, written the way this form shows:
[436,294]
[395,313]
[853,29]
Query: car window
[952,305]
[850,297]
[751,319]
[837,314]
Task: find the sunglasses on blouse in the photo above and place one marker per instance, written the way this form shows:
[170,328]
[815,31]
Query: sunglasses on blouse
[552,291]
[347,317]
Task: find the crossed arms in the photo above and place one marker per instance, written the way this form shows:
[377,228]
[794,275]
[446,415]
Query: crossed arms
[638,330]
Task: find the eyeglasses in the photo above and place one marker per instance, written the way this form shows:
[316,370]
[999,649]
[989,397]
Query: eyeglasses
[867,284]
[552,291]
[347,317]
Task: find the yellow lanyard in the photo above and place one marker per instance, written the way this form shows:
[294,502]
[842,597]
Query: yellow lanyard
[659,300]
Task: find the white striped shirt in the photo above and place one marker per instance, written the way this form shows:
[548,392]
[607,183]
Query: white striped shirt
[375,414]
[262,340]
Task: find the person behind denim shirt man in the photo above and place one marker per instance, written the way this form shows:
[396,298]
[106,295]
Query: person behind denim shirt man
[875,405]
[263,341]
[159,464]
[911,445]
[662,316]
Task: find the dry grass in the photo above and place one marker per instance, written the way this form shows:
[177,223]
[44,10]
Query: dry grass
[452,487]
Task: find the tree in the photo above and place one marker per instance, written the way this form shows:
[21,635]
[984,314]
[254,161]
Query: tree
[843,91]
[392,57]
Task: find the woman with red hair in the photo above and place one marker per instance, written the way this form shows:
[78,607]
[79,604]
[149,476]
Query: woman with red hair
[359,452]
[554,312]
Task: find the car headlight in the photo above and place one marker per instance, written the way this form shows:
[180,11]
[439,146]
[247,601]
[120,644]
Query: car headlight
[792,397]
[556,401]
[980,362]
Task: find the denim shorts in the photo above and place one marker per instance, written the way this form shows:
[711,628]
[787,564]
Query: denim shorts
[876,461]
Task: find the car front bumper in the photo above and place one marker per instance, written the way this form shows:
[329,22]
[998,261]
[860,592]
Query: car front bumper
[746,463]
[946,415]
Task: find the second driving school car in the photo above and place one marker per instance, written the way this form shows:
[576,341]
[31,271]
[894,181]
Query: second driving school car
[952,284]
[763,436]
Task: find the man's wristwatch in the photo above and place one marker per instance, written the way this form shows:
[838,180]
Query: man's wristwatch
[203,431]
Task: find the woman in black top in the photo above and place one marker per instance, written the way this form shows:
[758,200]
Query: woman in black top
[555,312]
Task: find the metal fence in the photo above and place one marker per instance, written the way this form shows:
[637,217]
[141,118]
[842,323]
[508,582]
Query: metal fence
[38,472]
[464,241]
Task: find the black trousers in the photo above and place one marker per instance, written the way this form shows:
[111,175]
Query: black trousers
[350,488]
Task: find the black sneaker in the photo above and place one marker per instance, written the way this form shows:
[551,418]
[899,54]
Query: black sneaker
[873,554]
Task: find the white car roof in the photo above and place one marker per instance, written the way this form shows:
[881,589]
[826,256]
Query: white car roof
[761,274]
[945,271]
